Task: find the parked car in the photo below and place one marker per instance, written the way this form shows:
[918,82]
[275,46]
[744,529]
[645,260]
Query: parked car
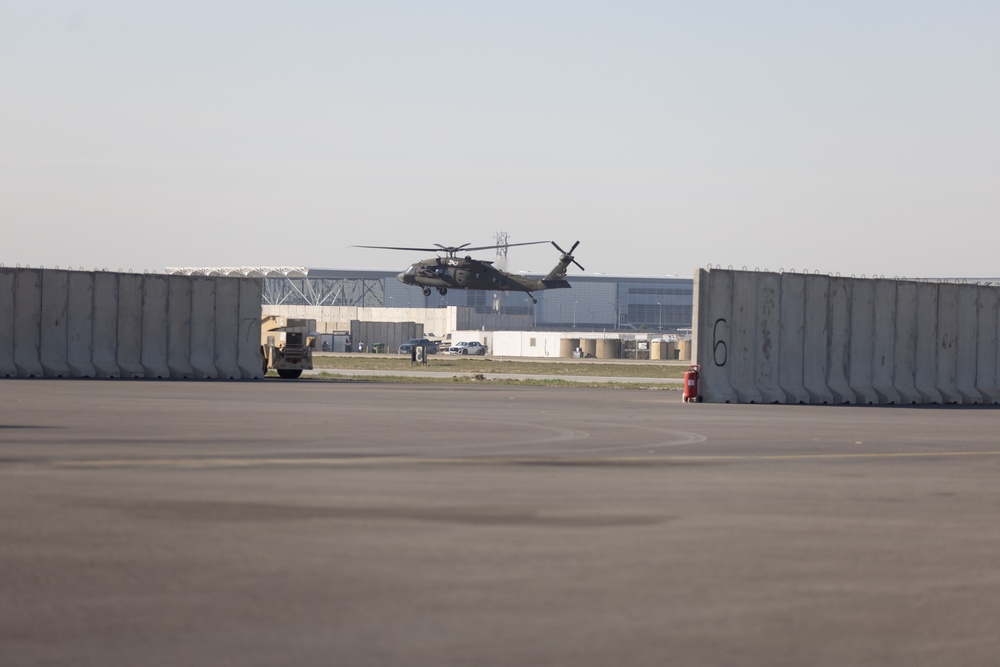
[408,346]
[469,347]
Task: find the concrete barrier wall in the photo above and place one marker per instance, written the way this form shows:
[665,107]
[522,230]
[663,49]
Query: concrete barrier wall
[80,324]
[797,338]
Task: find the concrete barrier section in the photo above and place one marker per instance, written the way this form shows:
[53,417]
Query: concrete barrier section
[154,326]
[81,324]
[54,324]
[816,333]
[713,314]
[925,372]
[28,322]
[905,336]
[227,328]
[861,341]
[7,367]
[130,326]
[768,338]
[884,342]
[946,380]
[988,310]
[203,327]
[764,337]
[105,358]
[179,327]
[968,339]
[249,356]
[745,341]
[839,352]
[792,337]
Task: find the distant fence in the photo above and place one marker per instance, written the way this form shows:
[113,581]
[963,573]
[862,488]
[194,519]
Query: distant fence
[800,338]
[106,325]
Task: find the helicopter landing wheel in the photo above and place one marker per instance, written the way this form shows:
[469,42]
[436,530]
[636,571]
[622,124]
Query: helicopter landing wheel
[427,291]
[442,290]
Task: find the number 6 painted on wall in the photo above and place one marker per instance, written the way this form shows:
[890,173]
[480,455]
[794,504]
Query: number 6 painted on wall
[719,345]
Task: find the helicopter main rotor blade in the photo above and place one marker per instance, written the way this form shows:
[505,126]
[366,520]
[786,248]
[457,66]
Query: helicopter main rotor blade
[507,245]
[387,247]
[449,249]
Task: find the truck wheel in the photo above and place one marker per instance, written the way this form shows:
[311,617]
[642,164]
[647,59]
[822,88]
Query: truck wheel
[289,373]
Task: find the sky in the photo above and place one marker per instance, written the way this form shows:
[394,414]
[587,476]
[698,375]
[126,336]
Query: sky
[852,138]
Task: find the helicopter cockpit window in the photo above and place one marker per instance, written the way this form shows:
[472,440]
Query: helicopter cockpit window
[411,270]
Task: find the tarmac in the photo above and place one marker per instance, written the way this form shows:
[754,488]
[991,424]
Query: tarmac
[270,522]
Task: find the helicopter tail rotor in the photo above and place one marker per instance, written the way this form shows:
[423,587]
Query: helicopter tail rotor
[567,257]
[559,271]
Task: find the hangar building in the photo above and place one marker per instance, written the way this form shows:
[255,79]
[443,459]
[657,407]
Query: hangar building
[595,302]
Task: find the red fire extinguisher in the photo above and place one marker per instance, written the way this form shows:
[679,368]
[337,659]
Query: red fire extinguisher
[691,384]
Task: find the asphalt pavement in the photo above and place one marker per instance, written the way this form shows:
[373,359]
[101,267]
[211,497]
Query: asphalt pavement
[333,523]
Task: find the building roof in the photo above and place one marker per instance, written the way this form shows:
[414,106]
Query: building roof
[240,271]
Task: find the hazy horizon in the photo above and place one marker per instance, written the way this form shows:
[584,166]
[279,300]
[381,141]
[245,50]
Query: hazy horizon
[851,138]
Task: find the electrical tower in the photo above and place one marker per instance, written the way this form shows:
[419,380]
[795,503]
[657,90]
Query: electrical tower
[502,239]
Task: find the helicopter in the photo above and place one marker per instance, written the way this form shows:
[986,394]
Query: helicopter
[453,272]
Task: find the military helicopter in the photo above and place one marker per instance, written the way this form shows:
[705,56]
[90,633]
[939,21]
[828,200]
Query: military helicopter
[453,272]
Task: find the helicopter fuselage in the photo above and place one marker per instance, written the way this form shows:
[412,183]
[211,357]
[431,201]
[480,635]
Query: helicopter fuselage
[456,273]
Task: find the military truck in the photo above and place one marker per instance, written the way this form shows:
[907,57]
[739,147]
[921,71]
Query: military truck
[286,344]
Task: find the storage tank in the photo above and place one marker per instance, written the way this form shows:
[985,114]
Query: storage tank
[684,346]
[607,349]
[589,346]
[657,349]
